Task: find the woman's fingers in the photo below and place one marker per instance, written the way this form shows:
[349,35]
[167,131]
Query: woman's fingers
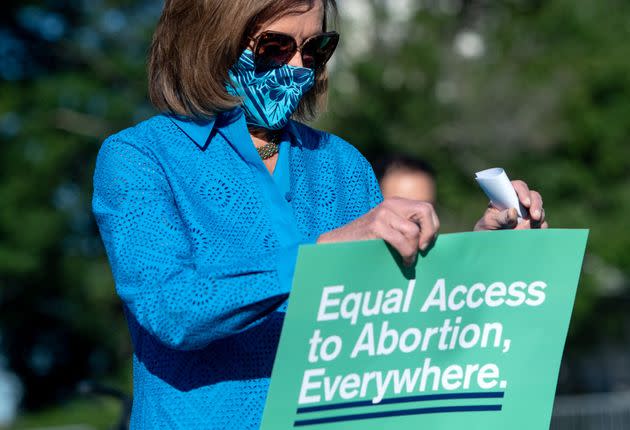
[536,209]
[532,200]
[413,219]
[401,234]
[507,218]
[407,225]
[407,250]
[421,213]
[523,193]
[495,219]
[409,229]
[531,224]
[428,222]
[436,223]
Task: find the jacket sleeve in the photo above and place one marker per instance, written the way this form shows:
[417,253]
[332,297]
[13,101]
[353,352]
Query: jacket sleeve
[150,252]
[368,190]
[375,197]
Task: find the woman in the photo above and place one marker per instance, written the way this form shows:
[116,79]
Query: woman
[202,208]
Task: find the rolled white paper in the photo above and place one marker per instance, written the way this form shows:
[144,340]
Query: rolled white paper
[495,183]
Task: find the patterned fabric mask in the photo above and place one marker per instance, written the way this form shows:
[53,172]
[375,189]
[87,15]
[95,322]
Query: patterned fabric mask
[269,96]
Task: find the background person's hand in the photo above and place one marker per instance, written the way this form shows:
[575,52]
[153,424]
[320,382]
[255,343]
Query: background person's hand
[495,219]
[407,225]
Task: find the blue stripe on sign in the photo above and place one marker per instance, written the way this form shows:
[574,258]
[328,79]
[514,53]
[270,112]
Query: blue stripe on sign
[420,411]
[408,399]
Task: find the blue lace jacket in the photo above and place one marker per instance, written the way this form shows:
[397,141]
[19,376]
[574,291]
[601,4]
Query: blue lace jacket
[202,242]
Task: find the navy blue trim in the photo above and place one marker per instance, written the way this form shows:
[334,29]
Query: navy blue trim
[406,412]
[421,398]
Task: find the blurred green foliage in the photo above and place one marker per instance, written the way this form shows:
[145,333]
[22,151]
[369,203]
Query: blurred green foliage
[540,88]
[99,414]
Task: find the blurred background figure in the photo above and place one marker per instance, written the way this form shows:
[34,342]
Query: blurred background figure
[406,177]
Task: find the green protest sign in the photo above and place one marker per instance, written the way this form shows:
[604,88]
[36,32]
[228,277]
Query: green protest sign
[471,338]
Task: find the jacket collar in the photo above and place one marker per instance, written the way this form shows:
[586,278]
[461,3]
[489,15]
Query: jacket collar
[294,132]
[198,130]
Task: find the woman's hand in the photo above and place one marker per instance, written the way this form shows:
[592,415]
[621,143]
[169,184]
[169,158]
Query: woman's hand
[495,219]
[407,225]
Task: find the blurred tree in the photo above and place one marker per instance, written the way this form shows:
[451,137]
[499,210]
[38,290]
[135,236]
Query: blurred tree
[71,72]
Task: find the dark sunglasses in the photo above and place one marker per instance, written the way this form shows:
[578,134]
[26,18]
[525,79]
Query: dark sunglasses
[273,49]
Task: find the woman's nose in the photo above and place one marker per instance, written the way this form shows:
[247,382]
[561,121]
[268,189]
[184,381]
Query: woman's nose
[296,60]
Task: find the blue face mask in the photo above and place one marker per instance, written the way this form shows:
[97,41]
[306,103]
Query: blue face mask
[269,96]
